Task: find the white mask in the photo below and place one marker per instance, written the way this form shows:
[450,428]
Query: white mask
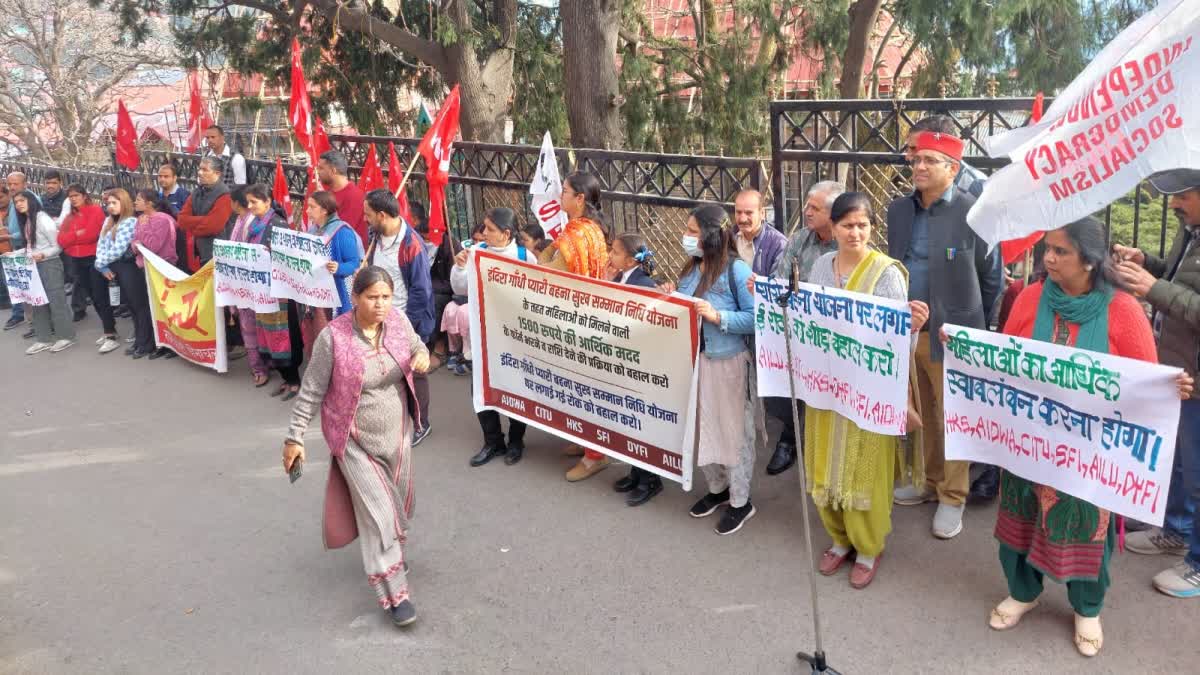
[691,246]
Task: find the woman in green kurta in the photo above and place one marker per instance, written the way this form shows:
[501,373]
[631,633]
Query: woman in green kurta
[850,471]
[1043,532]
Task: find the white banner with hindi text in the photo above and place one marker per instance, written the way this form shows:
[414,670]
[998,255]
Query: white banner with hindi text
[242,273]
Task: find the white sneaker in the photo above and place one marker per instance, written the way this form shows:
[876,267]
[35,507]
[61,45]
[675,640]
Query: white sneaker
[947,521]
[100,340]
[61,345]
[37,347]
[130,339]
[911,496]
[108,344]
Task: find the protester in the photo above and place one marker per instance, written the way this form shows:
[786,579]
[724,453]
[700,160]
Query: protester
[808,243]
[52,325]
[969,179]
[399,250]
[758,244]
[951,270]
[232,169]
[204,215]
[346,256]
[360,378]
[77,236]
[170,189]
[582,248]
[1044,532]
[633,262]
[500,232]
[246,319]
[12,241]
[850,471]
[53,198]
[456,318]
[331,171]
[533,237]
[155,230]
[727,401]
[275,336]
[1172,288]
[443,296]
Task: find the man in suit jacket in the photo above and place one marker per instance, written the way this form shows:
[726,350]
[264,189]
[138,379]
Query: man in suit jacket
[951,270]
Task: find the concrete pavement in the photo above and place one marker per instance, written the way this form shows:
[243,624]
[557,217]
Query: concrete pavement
[146,527]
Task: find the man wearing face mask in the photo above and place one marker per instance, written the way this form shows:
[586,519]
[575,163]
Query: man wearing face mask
[1172,287]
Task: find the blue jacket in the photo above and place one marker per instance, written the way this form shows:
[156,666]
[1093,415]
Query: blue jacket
[345,249]
[176,199]
[638,278]
[737,314]
[768,245]
[414,270]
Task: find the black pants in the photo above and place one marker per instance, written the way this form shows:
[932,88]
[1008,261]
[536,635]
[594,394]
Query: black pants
[100,301]
[493,433]
[421,391]
[642,476]
[233,329]
[781,409]
[290,370]
[83,275]
[134,295]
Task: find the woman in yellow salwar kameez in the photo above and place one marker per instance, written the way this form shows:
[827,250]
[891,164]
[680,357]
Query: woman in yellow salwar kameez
[850,471]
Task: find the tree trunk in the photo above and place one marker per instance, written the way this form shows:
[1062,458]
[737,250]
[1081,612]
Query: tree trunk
[485,91]
[863,15]
[589,30]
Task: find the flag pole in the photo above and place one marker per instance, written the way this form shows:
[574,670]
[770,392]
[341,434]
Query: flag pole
[413,163]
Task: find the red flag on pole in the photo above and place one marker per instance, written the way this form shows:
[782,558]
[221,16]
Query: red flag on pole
[279,189]
[198,119]
[371,177]
[395,176]
[1014,249]
[300,107]
[320,140]
[435,149]
[127,152]
[308,192]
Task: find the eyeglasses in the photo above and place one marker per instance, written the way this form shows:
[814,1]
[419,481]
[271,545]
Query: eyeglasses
[926,161]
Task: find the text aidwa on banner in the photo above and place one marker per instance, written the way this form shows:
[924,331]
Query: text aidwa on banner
[184,311]
[242,273]
[850,352]
[298,269]
[545,192]
[1131,113]
[24,282]
[608,366]
[1095,426]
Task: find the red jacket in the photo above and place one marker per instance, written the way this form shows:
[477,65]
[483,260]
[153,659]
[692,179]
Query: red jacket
[350,209]
[78,234]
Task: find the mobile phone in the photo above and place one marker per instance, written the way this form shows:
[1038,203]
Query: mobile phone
[297,470]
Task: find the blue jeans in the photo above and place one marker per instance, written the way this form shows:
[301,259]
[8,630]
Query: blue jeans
[1182,518]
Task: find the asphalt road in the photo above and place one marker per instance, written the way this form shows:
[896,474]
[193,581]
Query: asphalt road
[146,527]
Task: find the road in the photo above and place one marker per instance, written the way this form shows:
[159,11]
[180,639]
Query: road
[146,527]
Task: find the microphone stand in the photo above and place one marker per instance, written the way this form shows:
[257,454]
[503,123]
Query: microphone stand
[816,660]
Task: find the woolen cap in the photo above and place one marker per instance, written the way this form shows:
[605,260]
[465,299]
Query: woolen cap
[1175,181]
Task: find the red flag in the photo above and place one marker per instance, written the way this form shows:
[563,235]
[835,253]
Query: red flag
[1014,249]
[395,176]
[198,119]
[308,192]
[320,141]
[371,177]
[279,190]
[435,149]
[127,153]
[299,107]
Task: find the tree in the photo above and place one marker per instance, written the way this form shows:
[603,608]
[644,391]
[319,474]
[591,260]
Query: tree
[360,52]
[61,67]
[590,71]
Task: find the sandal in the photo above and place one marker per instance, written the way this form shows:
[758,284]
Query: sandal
[292,393]
[1008,613]
[265,378]
[1088,645]
[280,391]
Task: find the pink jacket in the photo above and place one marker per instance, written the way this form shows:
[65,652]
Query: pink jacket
[156,233]
[340,404]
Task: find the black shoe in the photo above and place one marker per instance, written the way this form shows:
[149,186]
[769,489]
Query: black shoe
[421,434]
[485,455]
[644,492]
[13,322]
[986,487]
[783,459]
[625,484]
[130,350]
[138,353]
[709,503]
[79,315]
[168,354]
[733,519]
[404,614]
[158,353]
[28,334]
[514,454]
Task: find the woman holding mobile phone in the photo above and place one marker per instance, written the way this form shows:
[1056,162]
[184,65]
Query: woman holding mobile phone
[360,378]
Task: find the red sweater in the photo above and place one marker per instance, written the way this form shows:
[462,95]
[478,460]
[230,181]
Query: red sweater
[350,209]
[1129,332]
[78,234]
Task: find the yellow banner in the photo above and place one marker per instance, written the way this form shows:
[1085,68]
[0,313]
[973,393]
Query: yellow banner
[185,312]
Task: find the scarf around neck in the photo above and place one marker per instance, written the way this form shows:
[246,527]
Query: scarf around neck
[1089,311]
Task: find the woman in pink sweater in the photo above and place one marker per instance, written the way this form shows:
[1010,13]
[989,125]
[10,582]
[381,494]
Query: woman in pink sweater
[155,227]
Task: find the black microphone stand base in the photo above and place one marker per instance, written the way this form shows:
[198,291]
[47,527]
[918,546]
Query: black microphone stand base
[817,662]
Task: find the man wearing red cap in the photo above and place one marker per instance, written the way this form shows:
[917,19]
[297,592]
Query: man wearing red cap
[951,270]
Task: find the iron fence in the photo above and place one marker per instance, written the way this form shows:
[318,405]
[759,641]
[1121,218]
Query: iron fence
[861,143]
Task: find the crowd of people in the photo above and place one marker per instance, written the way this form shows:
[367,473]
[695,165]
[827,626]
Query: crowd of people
[403,311]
